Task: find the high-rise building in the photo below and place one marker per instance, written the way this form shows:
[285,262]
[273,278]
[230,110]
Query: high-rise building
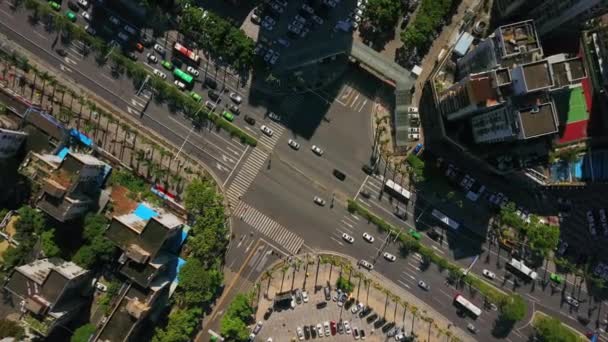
[550,15]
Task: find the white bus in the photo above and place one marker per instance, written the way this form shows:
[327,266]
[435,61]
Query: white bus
[446,220]
[397,190]
[519,268]
[464,303]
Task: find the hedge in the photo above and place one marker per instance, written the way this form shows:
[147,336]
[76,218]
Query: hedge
[410,243]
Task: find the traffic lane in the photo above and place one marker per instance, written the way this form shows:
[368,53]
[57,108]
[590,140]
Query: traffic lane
[287,197]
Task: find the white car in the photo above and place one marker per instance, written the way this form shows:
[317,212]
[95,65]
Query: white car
[317,150]
[179,84]
[388,256]
[357,308]
[366,264]
[293,144]
[327,330]
[424,285]
[572,301]
[193,71]
[101,287]
[399,337]
[317,19]
[266,130]
[318,200]
[319,329]
[210,105]
[236,98]
[159,49]
[305,297]
[83,3]
[300,333]
[152,58]
[368,237]
[160,74]
[348,238]
[86,15]
[488,274]
[347,327]
[114,20]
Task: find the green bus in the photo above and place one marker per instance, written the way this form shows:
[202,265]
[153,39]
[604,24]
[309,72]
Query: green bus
[177,72]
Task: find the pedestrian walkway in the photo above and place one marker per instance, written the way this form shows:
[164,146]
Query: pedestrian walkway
[246,175]
[269,227]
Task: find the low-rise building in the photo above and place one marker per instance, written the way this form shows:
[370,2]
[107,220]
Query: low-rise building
[50,292]
[10,142]
[70,182]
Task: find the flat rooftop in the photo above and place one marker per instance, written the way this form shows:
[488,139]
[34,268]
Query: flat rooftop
[537,75]
[518,38]
[568,72]
[538,121]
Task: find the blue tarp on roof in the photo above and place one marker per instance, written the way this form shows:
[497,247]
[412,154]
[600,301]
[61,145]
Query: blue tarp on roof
[463,44]
[81,137]
[63,152]
[144,212]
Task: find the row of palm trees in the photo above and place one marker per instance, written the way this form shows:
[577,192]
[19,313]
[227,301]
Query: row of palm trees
[346,267]
[74,109]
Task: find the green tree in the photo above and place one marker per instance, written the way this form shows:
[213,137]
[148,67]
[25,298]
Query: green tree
[47,241]
[200,195]
[11,329]
[180,327]
[98,251]
[233,329]
[240,307]
[542,237]
[382,14]
[514,309]
[343,284]
[30,221]
[549,329]
[197,285]
[83,333]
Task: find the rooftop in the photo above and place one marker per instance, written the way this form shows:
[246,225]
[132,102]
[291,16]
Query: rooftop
[518,38]
[568,71]
[121,323]
[538,120]
[537,75]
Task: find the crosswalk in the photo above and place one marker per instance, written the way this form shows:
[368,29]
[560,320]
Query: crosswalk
[269,227]
[246,175]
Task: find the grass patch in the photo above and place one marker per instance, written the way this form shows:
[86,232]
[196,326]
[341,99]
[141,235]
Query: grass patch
[551,329]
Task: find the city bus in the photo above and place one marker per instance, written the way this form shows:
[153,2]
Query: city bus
[186,53]
[446,220]
[182,76]
[464,303]
[397,190]
[519,268]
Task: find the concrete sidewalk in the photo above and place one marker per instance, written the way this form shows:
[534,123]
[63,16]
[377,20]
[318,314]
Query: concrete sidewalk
[386,298]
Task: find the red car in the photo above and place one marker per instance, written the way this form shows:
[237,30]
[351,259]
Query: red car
[333,327]
[139,47]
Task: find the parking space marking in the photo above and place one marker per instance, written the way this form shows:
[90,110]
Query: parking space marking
[404,284]
[348,224]
[409,275]
[362,105]
[355,217]
[337,241]
[438,249]
[37,33]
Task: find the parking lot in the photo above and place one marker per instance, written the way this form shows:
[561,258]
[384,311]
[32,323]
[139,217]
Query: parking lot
[282,324]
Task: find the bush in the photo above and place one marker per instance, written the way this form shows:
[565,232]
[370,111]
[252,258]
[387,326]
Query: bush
[83,333]
[10,329]
[549,329]
[428,20]
[344,285]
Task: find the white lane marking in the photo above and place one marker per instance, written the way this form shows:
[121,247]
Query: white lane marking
[414,266]
[337,241]
[447,295]
[409,275]
[235,166]
[355,217]
[404,284]
[348,224]
[229,141]
[363,105]
[438,249]
[136,103]
[233,151]
[533,298]
[108,77]
[362,201]
[207,141]
[220,167]
[41,35]
[225,158]
[361,187]
[70,61]
[64,68]
[6,13]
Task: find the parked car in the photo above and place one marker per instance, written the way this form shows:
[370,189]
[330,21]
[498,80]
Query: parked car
[488,274]
[248,119]
[293,144]
[266,130]
[318,200]
[366,264]
[348,238]
[424,285]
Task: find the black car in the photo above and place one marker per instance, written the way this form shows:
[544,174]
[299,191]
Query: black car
[321,305]
[433,234]
[132,55]
[349,303]
[62,52]
[372,318]
[367,169]
[366,311]
[327,292]
[210,82]
[268,313]
[340,328]
[362,333]
[379,323]
[313,331]
[339,174]
[249,120]
[365,194]
[306,332]
[73,6]
[214,95]
[147,41]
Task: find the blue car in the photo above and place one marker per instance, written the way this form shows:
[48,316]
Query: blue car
[417,149]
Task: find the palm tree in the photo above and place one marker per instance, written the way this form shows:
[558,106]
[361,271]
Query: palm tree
[367,283]
[55,84]
[139,156]
[127,132]
[388,296]
[414,311]
[267,275]
[45,78]
[283,272]
[163,154]
[72,95]
[405,306]
[397,301]
[430,321]
[82,101]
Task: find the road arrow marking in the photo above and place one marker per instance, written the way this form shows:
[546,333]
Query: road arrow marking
[64,68]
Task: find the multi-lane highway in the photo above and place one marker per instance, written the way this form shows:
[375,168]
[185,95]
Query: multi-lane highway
[271,189]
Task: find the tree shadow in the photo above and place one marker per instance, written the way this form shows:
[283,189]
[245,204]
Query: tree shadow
[375,38]
[502,328]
